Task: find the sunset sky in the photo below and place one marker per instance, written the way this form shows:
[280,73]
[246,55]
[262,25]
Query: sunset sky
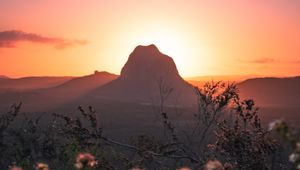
[204,37]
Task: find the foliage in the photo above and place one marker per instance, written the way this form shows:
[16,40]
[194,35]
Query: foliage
[288,135]
[76,141]
[244,143]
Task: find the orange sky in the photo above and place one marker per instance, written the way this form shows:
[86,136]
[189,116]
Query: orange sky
[215,37]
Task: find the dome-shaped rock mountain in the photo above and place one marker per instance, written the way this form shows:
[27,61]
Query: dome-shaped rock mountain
[145,78]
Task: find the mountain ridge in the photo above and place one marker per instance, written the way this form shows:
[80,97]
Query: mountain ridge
[272,91]
[146,78]
[146,71]
[30,83]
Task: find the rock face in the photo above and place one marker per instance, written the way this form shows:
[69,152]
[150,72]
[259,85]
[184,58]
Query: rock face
[148,62]
[147,77]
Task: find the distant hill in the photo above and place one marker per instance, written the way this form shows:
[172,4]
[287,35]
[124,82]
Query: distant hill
[201,80]
[80,85]
[272,92]
[236,78]
[3,77]
[44,99]
[31,83]
[146,78]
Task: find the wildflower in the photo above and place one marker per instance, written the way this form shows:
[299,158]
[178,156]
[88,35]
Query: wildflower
[137,168]
[211,146]
[41,166]
[78,165]
[293,157]
[15,168]
[184,168]
[85,160]
[273,125]
[213,165]
[298,146]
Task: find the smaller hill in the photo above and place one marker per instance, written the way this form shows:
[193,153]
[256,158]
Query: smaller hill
[272,92]
[31,83]
[81,85]
[45,99]
[3,77]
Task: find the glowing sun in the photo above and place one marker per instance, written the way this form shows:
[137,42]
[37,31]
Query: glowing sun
[169,44]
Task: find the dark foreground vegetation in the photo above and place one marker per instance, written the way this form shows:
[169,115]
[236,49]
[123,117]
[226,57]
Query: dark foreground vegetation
[226,135]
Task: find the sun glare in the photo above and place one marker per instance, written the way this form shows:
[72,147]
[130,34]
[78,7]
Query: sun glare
[169,44]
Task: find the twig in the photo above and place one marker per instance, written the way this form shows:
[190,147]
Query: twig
[150,152]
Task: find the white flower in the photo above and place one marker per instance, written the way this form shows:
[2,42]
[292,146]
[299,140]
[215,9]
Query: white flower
[274,124]
[184,168]
[85,160]
[42,166]
[293,157]
[15,168]
[213,165]
[298,146]
[78,165]
[136,168]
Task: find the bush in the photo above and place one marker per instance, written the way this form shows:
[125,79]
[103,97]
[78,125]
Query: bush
[77,141]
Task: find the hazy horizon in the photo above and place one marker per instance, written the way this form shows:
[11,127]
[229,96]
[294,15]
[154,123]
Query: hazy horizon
[205,77]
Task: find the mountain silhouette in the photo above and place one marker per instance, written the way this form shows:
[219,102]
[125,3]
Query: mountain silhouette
[81,85]
[3,77]
[272,92]
[47,98]
[148,77]
[31,83]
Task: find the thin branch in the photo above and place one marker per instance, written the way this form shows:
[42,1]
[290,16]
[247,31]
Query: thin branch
[151,152]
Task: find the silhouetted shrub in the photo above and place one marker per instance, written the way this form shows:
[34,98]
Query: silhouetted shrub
[231,129]
[244,143]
